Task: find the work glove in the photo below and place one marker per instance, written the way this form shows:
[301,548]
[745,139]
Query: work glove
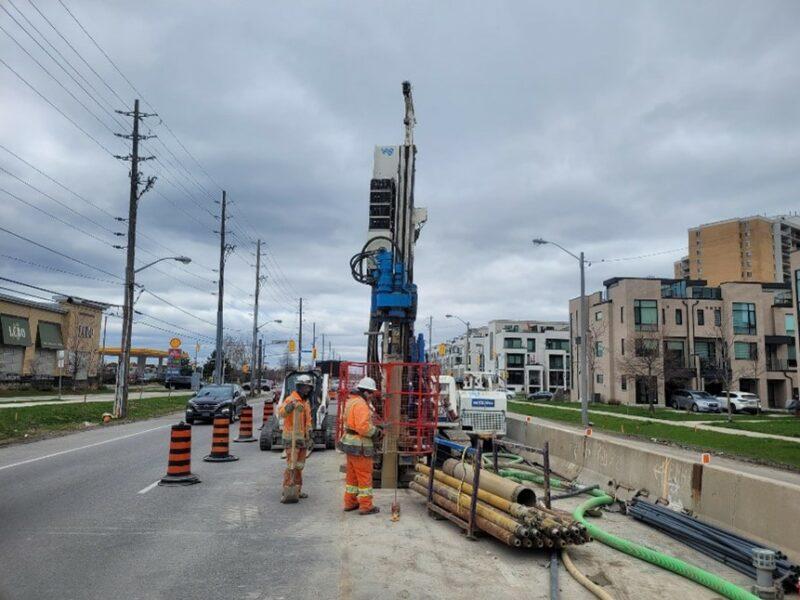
[309,441]
[289,406]
[298,407]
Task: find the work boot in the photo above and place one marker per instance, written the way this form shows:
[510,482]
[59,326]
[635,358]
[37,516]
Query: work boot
[350,508]
[303,495]
[371,511]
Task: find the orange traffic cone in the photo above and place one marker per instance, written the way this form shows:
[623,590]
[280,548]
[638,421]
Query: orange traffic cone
[220,442]
[246,426]
[179,465]
[269,408]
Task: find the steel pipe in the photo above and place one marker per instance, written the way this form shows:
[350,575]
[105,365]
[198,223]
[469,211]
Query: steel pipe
[495,531]
[500,486]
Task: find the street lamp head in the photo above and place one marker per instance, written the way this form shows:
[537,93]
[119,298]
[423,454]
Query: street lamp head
[448,316]
[539,242]
[183,259]
[278,321]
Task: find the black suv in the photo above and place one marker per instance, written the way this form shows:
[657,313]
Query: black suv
[226,400]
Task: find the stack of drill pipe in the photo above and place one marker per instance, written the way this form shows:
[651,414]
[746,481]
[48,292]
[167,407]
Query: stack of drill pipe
[534,525]
[724,546]
[463,512]
[500,486]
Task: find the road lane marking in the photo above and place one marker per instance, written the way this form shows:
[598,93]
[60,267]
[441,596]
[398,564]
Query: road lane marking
[149,487]
[54,454]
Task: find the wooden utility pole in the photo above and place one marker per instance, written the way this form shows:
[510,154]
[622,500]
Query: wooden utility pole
[255,323]
[123,368]
[219,364]
[313,344]
[300,337]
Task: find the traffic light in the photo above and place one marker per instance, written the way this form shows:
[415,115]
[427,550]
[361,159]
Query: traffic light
[314,352]
[245,368]
[292,346]
[442,349]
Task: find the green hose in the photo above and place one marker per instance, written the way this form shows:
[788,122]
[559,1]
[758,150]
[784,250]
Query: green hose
[704,578]
[488,459]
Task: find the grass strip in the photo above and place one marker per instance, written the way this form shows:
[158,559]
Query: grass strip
[36,421]
[768,451]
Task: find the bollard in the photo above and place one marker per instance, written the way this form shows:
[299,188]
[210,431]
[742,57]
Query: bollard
[179,465]
[268,410]
[246,426]
[220,442]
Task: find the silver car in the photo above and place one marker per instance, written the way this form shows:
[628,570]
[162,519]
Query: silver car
[740,402]
[696,401]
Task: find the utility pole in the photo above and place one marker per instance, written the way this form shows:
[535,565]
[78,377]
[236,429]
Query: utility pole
[103,351]
[300,338]
[313,344]
[123,368]
[430,335]
[255,323]
[323,346]
[219,368]
[584,345]
[260,360]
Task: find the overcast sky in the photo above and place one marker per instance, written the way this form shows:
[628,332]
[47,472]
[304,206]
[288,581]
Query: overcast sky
[610,127]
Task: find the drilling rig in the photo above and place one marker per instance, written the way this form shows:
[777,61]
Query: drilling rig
[386,264]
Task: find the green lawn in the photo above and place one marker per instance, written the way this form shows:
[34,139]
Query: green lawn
[666,414]
[779,426]
[33,421]
[771,451]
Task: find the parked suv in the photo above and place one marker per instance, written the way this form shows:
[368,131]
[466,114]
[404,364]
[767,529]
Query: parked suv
[226,400]
[695,400]
[740,402]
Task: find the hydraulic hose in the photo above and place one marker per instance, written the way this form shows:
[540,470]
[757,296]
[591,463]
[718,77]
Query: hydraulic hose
[677,566]
[582,579]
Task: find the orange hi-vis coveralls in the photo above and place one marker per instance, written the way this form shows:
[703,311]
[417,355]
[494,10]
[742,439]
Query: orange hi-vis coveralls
[357,444]
[303,435]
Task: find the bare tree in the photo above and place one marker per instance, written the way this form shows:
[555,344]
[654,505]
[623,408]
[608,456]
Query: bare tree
[727,367]
[236,352]
[649,362]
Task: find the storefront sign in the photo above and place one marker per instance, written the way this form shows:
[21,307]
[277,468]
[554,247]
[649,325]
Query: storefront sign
[16,331]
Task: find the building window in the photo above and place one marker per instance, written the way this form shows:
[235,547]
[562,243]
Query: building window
[598,349]
[789,323]
[515,360]
[514,343]
[718,317]
[678,316]
[705,350]
[531,344]
[745,350]
[622,346]
[744,318]
[645,315]
[623,383]
[599,378]
[674,349]
[701,316]
[516,378]
[621,314]
[551,344]
[598,316]
[645,347]
[556,361]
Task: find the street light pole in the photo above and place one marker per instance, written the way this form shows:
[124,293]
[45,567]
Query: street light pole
[583,348]
[466,343]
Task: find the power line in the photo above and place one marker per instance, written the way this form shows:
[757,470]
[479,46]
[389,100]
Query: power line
[176,307]
[662,252]
[61,112]
[56,269]
[73,259]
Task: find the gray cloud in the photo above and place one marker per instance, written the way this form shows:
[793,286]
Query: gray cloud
[610,127]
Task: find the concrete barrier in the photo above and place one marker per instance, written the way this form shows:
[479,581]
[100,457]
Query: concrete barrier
[764,509]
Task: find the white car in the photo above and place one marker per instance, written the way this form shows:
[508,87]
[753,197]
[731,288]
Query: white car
[740,402]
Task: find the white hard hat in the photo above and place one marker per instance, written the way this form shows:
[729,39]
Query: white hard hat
[368,383]
[304,380]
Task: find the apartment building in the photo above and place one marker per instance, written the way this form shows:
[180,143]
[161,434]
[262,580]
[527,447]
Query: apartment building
[530,356]
[746,249]
[794,266]
[702,337]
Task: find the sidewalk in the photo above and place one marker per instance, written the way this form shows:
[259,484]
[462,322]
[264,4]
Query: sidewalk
[705,425]
[23,401]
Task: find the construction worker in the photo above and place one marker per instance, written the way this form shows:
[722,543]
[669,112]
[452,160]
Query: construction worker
[297,406]
[357,443]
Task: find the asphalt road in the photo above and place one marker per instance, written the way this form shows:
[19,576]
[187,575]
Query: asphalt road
[80,519]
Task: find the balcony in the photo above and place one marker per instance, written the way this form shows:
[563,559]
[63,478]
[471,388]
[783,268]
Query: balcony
[780,364]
